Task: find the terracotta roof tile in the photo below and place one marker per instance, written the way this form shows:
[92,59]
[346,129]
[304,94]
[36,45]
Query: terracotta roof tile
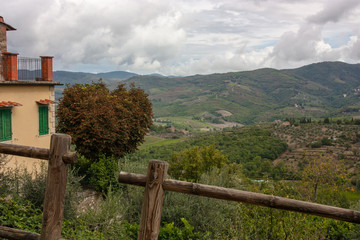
[9,104]
[45,101]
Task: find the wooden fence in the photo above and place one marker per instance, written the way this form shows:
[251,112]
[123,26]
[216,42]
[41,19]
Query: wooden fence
[155,183]
[59,156]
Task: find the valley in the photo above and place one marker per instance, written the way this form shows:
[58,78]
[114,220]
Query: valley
[320,90]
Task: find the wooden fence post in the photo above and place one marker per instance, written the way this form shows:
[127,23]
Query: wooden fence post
[55,188]
[153,200]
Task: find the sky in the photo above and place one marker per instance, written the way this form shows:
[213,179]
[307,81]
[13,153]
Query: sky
[183,37]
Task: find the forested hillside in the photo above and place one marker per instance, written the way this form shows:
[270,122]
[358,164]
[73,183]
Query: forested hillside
[316,90]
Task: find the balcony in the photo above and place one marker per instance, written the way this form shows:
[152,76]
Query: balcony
[29,68]
[25,69]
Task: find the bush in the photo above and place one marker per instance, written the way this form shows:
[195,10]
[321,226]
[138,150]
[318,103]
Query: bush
[103,173]
[169,231]
[19,213]
[107,216]
[78,229]
[212,217]
[191,163]
[326,141]
[101,121]
[317,144]
[31,187]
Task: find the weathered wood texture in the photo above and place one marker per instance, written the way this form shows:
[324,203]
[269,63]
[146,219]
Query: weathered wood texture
[15,234]
[55,188]
[33,152]
[153,200]
[248,197]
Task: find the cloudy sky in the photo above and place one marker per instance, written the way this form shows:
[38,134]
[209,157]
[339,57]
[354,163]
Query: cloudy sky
[184,37]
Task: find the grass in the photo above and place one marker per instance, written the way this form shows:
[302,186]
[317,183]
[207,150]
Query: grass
[155,91]
[187,122]
[151,140]
[162,142]
[244,87]
[352,196]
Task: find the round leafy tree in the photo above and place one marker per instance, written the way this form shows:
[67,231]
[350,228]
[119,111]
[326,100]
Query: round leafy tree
[102,121]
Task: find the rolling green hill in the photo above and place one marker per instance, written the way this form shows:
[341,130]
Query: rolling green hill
[316,90]
[110,78]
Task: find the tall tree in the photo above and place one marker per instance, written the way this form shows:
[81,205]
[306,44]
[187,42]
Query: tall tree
[190,163]
[102,121]
[323,170]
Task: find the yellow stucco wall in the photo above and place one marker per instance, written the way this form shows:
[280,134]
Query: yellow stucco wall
[25,119]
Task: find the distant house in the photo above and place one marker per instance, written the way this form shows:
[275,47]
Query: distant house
[285,123]
[27,112]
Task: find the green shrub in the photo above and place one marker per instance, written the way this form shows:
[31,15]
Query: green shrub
[72,197]
[326,141]
[103,173]
[106,216]
[99,173]
[212,217]
[82,167]
[316,144]
[131,230]
[19,213]
[78,229]
[32,186]
[191,163]
[169,231]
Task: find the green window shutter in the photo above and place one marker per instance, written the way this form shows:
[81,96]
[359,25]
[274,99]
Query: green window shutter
[5,125]
[2,133]
[46,120]
[43,120]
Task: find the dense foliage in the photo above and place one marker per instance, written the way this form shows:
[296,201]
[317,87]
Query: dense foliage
[323,169]
[320,178]
[253,147]
[100,174]
[219,219]
[103,121]
[19,213]
[243,145]
[105,221]
[190,163]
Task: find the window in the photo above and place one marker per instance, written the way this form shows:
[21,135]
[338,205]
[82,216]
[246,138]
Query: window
[5,124]
[43,120]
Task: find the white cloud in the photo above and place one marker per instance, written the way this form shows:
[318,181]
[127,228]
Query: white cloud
[334,11]
[184,36]
[151,44]
[351,51]
[297,46]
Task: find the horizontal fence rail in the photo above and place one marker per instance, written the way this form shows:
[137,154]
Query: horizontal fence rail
[34,152]
[247,197]
[14,234]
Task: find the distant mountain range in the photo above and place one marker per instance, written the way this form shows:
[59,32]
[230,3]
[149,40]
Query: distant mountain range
[82,77]
[316,90]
